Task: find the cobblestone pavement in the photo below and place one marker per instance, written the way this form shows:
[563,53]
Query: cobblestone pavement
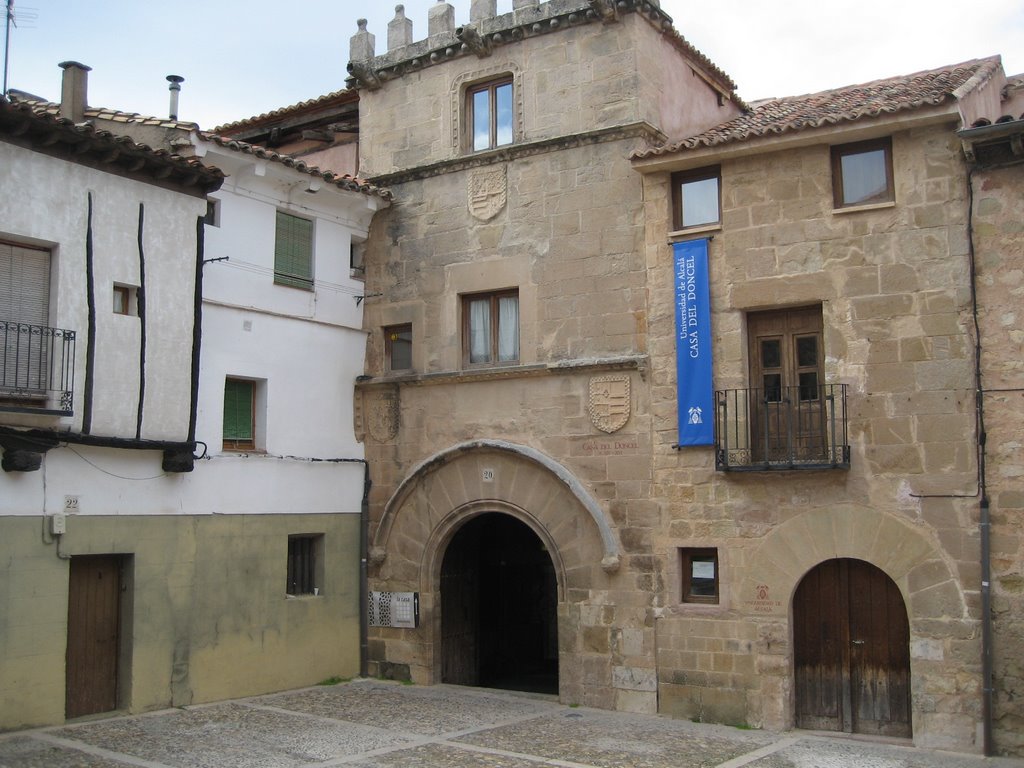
[373,724]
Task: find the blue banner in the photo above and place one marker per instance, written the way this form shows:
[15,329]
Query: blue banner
[695,398]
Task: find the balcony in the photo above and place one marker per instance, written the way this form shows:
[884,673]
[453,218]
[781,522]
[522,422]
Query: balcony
[782,428]
[37,369]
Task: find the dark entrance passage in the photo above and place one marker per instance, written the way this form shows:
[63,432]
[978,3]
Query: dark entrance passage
[852,649]
[498,608]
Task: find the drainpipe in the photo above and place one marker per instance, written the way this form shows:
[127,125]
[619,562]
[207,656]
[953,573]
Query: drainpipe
[984,525]
[364,597]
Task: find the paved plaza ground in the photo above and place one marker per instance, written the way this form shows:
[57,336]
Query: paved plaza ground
[375,724]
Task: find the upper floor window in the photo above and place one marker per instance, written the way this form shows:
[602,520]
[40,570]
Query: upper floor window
[696,198]
[239,415]
[398,347]
[126,299]
[862,173]
[490,323]
[490,114]
[293,251]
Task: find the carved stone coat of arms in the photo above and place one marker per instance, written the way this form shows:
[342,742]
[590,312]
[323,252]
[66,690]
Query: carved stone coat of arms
[488,192]
[610,403]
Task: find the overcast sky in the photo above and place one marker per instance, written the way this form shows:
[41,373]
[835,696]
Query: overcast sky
[243,59]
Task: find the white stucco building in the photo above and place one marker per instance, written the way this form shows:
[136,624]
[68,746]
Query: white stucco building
[158,548]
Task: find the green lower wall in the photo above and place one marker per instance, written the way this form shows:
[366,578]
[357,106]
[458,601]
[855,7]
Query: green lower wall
[205,613]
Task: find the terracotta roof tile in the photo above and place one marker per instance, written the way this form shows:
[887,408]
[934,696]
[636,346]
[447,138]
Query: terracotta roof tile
[34,121]
[855,102]
[342,96]
[342,181]
[41,106]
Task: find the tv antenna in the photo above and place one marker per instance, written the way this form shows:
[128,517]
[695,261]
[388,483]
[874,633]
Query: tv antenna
[10,20]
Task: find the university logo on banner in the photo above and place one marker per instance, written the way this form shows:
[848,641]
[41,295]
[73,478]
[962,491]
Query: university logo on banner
[695,397]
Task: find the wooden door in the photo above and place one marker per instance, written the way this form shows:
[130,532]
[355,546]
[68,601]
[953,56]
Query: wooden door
[786,374]
[852,651]
[460,609]
[94,619]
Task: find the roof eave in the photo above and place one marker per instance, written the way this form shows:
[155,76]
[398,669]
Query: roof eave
[838,133]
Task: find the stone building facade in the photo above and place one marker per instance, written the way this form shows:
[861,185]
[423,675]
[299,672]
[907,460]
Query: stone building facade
[552,427]
[683,580]
[996,162]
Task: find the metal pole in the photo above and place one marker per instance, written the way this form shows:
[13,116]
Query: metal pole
[7,42]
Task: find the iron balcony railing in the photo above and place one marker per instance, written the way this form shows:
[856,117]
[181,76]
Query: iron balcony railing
[802,427]
[37,368]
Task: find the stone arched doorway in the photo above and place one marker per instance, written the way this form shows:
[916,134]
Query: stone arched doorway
[440,497]
[499,600]
[851,643]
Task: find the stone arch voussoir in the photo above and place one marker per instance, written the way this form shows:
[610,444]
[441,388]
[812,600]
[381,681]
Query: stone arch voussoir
[453,485]
[928,583]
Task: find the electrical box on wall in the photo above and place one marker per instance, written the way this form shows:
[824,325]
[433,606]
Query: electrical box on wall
[395,609]
[58,524]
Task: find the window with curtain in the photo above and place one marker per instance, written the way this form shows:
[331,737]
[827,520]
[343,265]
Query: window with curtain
[398,347]
[491,328]
[862,173]
[293,251]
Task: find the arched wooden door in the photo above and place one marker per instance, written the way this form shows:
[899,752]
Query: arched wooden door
[852,651]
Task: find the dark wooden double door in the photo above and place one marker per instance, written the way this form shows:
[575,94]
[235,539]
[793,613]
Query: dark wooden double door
[852,651]
[94,634]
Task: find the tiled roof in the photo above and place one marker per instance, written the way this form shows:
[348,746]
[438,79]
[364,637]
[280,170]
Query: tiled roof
[41,106]
[343,96]
[342,181]
[34,125]
[855,102]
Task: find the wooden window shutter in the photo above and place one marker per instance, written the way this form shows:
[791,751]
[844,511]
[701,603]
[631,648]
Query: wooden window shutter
[238,397]
[293,251]
[24,284]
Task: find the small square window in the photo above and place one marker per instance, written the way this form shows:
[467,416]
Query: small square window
[698,569]
[239,415]
[862,173]
[305,564]
[398,347]
[490,327]
[489,114]
[126,300]
[356,267]
[293,251]
[696,198]
[212,217]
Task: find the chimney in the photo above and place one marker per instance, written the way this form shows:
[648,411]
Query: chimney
[175,88]
[74,96]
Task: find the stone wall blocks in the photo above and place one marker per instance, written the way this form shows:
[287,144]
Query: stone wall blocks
[943,599]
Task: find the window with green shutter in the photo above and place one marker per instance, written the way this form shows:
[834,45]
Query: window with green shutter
[293,251]
[239,434]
